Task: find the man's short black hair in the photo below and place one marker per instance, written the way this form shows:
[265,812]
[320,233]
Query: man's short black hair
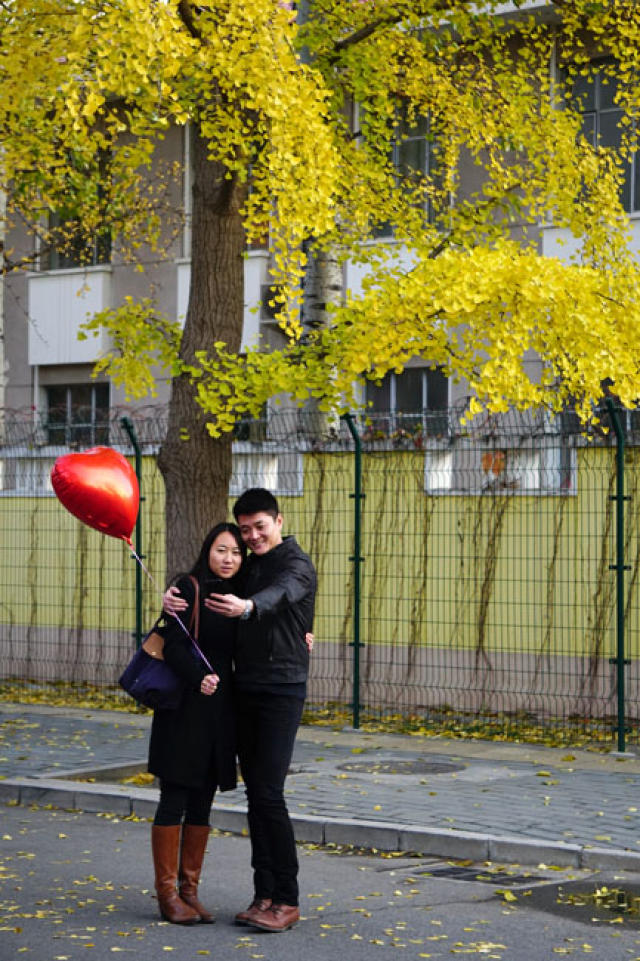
[254,501]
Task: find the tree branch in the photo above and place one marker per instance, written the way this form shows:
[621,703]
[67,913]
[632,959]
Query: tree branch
[9,265]
[186,15]
[363,34]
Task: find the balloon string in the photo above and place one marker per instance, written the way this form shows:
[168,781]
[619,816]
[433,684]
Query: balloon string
[145,569]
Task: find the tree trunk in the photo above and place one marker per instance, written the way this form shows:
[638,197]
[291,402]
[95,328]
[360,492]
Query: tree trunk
[196,467]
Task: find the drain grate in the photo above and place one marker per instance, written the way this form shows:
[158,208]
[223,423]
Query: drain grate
[619,900]
[455,872]
[402,766]
[608,902]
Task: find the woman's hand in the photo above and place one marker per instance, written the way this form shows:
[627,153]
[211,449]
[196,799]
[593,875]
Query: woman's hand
[309,639]
[173,602]
[209,684]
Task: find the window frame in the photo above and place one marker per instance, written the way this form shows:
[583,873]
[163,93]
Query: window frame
[72,431]
[400,425]
[402,135]
[630,185]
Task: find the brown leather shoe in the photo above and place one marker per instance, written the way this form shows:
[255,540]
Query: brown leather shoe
[257,905]
[279,917]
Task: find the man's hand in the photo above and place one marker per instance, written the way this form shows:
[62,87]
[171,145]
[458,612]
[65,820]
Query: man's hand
[226,604]
[173,602]
[309,639]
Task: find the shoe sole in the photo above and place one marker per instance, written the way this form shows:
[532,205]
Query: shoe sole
[182,923]
[260,927]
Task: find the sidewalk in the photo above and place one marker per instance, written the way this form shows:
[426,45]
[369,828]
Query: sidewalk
[483,801]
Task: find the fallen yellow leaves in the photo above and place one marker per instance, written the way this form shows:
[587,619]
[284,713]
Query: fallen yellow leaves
[142,778]
[478,947]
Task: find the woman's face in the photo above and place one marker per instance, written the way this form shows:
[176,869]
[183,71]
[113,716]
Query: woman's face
[225,557]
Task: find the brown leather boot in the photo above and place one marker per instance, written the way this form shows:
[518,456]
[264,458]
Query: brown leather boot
[165,843]
[194,843]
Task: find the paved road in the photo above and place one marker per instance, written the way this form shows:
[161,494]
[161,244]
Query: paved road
[78,887]
[479,800]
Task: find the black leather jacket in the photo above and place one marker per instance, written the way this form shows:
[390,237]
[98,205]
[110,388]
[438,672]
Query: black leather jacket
[270,646]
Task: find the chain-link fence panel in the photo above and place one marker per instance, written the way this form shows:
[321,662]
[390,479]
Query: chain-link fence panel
[486,585]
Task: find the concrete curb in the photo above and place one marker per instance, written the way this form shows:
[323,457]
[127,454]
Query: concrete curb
[125,800]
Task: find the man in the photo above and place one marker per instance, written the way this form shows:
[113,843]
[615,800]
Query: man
[271,666]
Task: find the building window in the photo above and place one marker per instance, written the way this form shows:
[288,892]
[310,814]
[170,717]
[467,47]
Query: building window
[279,471]
[65,241]
[628,417]
[546,465]
[414,155]
[408,405]
[78,415]
[602,123]
[69,246]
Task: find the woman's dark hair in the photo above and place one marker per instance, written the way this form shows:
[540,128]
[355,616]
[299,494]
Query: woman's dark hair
[201,568]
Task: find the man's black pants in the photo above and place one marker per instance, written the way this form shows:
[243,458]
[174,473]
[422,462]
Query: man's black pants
[267,725]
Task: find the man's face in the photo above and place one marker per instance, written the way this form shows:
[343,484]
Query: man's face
[260,532]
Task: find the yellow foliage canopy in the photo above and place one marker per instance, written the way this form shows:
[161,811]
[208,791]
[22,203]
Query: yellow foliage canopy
[315,117]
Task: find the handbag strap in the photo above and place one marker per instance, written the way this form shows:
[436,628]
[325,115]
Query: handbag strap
[194,623]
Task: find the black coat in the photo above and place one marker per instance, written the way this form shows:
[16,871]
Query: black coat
[199,736]
[271,648]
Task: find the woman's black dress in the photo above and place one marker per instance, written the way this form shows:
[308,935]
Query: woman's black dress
[197,739]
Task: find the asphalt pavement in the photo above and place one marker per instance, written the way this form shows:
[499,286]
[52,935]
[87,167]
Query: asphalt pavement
[79,887]
[476,800]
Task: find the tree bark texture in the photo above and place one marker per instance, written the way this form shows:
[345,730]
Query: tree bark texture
[195,466]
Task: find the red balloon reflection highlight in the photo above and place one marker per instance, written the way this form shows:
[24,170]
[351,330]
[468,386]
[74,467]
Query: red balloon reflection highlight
[100,488]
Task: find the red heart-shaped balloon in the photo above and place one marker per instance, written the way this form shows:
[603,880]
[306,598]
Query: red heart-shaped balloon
[99,487]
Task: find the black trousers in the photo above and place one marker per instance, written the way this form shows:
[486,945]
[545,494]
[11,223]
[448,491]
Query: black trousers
[179,803]
[267,726]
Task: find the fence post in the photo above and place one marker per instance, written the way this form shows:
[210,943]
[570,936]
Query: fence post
[357,561]
[619,567]
[129,428]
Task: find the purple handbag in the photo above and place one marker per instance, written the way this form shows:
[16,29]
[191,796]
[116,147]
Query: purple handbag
[148,678]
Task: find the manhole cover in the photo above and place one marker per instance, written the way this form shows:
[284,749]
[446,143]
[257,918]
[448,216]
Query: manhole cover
[459,873]
[401,767]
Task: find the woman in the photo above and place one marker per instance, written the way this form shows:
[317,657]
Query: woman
[192,748]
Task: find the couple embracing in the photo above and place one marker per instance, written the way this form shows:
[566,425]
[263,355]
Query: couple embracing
[255,619]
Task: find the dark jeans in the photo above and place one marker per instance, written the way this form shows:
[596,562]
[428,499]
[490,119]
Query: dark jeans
[267,725]
[178,803]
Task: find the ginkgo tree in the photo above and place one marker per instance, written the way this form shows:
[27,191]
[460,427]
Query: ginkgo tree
[299,118]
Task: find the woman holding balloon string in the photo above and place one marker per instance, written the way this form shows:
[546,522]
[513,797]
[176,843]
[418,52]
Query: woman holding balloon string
[192,748]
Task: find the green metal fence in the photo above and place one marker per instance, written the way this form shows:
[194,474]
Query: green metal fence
[478,574]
